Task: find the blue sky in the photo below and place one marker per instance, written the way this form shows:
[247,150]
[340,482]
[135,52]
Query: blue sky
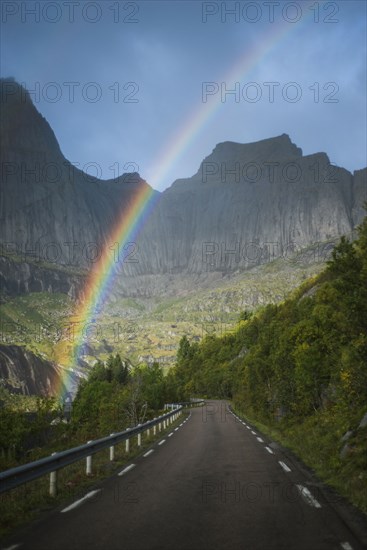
[159,54]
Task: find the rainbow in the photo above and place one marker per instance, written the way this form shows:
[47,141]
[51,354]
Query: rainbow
[98,286]
[134,215]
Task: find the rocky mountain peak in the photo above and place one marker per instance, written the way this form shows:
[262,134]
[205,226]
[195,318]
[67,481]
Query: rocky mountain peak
[279,147]
[22,126]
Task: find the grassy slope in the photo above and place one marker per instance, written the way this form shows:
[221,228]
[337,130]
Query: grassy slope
[142,329]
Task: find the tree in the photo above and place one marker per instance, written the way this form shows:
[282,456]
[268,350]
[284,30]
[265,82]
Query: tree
[183,351]
[120,371]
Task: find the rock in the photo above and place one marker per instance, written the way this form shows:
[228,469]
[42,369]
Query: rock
[345,452]
[23,372]
[346,436]
[22,277]
[363,422]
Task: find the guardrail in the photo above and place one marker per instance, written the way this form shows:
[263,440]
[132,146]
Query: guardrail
[190,403]
[49,465]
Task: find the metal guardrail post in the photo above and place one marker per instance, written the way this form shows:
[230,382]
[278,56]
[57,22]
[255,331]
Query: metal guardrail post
[112,451]
[88,464]
[53,482]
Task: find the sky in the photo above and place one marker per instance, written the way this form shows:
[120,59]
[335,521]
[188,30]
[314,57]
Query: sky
[146,86]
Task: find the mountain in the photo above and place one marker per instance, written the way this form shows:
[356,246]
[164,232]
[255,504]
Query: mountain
[246,205]
[54,218]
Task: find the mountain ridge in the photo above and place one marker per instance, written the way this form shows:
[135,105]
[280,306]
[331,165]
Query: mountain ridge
[243,199]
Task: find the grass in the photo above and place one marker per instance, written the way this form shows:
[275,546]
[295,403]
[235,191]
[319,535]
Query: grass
[316,440]
[40,321]
[20,506]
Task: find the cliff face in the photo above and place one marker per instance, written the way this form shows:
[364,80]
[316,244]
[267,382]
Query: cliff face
[25,373]
[24,277]
[248,204]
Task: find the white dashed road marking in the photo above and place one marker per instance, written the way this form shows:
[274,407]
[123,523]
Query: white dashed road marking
[80,501]
[252,431]
[127,469]
[307,496]
[260,440]
[284,466]
[161,442]
[269,450]
[346,546]
[149,452]
[169,435]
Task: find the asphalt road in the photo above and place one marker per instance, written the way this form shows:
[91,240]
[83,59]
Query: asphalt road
[213,484]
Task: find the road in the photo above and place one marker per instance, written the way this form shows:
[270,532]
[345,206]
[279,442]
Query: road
[213,484]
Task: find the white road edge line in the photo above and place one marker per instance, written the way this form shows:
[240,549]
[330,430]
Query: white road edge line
[80,501]
[161,442]
[260,440]
[346,546]
[169,435]
[148,452]
[176,429]
[269,450]
[252,431]
[127,469]
[307,496]
[284,466]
